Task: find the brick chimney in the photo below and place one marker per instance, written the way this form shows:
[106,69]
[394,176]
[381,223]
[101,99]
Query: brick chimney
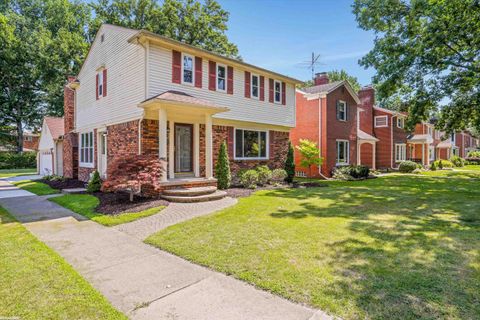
[321,78]
[69,105]
[367,101]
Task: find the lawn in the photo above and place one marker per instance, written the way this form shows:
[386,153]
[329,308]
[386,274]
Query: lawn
[396,247]
[7,173]
[36,283]
[36,187]
[85,205]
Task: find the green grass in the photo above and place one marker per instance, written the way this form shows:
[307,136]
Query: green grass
[396,247]
[85,205]
[7,173]
[36,283]
[39,188]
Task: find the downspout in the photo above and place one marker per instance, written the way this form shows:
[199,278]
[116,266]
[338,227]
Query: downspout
[146,46]
[391,143]
[320,127]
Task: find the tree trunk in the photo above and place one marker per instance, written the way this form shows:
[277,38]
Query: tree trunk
[19,137]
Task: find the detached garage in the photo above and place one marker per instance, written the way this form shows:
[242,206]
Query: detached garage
[50,147]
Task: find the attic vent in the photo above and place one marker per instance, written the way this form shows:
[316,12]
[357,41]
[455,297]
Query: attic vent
[102,37]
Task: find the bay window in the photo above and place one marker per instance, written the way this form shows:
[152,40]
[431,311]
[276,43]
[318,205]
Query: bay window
[250,144]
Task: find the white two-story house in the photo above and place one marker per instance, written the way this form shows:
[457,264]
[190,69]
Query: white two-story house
[139,93]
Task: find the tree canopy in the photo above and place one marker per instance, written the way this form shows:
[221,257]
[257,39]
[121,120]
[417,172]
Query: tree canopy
[426,53]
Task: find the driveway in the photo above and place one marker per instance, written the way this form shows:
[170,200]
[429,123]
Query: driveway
[142,281]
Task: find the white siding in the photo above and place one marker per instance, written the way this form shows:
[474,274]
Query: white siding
[241,108]
[46,141]
[125,66]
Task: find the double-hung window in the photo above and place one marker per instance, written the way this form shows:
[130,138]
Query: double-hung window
[250,144]
[431,152]
[430,131]
[277,86]
[255,87]
[187,69]
[86,149]
[453,139]
[343,152]
[221,77]
[341,110]
[400,123]
[400,152]
[100,83]
[381,121]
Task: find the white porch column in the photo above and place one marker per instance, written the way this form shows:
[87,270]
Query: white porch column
[374,156]
[208,147]
[359,154]
[423,154]
[171,149]
[162,140]
[196,149]
[428,154]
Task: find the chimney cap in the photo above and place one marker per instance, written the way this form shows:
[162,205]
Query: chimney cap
[321,74]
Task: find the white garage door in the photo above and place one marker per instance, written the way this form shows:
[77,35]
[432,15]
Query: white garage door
[45,162]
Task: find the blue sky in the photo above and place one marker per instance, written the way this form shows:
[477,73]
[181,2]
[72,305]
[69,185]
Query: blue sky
[280,34]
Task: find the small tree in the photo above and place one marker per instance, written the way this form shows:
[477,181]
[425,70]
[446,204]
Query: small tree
[222,168]
[290,164]
[310,154]
[95,183]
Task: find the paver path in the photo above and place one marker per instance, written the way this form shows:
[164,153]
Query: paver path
[173,214]
[142,281]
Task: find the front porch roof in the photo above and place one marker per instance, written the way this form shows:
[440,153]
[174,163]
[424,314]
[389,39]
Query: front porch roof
[447,144]
[181,99]
[362,135]
[420,139]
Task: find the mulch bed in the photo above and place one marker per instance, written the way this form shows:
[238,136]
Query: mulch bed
[64,184]
[119,202]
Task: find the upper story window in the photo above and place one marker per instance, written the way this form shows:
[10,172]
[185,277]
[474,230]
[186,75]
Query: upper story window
[27,138]
[381,121]
[100,83]
[343,152]
[221,77]
[400,123]
[453,139]
[430,131]
[341,110]
[255,86]
[187,69]
[250,144]
[86,149]
[277,91]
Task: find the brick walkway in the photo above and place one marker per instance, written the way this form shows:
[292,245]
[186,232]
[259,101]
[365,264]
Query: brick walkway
[173,214]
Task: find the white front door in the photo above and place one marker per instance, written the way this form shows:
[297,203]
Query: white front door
[102,154]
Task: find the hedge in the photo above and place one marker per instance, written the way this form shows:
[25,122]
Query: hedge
[11,160]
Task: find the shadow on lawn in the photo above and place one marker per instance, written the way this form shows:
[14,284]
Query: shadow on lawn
[419,254]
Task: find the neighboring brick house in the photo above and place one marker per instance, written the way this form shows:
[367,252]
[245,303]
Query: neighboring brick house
[328,114]
[30,141]
[142,95]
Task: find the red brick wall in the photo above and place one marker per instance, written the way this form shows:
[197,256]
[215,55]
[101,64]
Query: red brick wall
[32,144]
[384,146]
[70,155]
[367,101]
[366,156]
[122,141]
[150,136]
[69,108]
[443,153]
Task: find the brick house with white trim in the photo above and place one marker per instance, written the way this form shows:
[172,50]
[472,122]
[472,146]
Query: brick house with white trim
[140,95]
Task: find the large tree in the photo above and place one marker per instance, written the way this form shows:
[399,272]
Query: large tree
[190,21]
[427,53]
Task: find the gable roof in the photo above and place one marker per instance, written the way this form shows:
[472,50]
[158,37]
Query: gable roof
[55,125]
[324,89]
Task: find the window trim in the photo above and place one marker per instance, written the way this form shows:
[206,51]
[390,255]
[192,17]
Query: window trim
[183,68]
[430,153]
[274,92]
[345,110]
[404,147]
[453,138]
[81,163]
[402,120]
[258,86]
[218,65]
[100,83]
[347,153]
[267,146]
[382,126]
[430,129]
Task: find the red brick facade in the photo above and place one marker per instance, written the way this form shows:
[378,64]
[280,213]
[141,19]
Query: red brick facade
[70,139]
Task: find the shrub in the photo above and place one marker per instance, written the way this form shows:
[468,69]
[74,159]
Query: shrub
[442,164]
[433,166]
[264,175]
[249,179]
[12,160]
[290,164]
[417,171]
[309,154]
[407,166]
[473,154]
[351,172]
[53,177]
[279,175]
[457,161]
[222,168]
[95,183]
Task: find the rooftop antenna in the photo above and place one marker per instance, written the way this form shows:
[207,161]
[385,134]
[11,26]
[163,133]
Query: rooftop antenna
[312,63]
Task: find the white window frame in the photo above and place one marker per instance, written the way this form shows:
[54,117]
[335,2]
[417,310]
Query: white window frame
[100,84]
[275,92]
[267,144]
[344,104]
[90,163]
[453,139]
[431,152]
[400,152]
[400,122]
[219,65]
[430,131]
[456,151]
[258,86]
[347,152]
[437,134]
[186,55]
[381,117]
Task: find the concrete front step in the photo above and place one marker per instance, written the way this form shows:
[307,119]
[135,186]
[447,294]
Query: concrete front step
[190,192]
[217,195]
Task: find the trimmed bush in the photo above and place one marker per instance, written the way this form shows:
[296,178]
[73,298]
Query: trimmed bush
[264,175]
[407,166]
[457,161]
[95,183]
[12,160]
[417,171]
[473,154]
[433,166]
[442,164]
[290,164]
[222,168]
[351,172]
[249,179]
[279,176]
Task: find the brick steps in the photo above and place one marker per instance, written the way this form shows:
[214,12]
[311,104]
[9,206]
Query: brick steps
[190,195]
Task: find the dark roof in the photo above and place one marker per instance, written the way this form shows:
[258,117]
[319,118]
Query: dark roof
[324,88]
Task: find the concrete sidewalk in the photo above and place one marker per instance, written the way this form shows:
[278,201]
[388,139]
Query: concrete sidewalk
[142,281]
[8,190]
